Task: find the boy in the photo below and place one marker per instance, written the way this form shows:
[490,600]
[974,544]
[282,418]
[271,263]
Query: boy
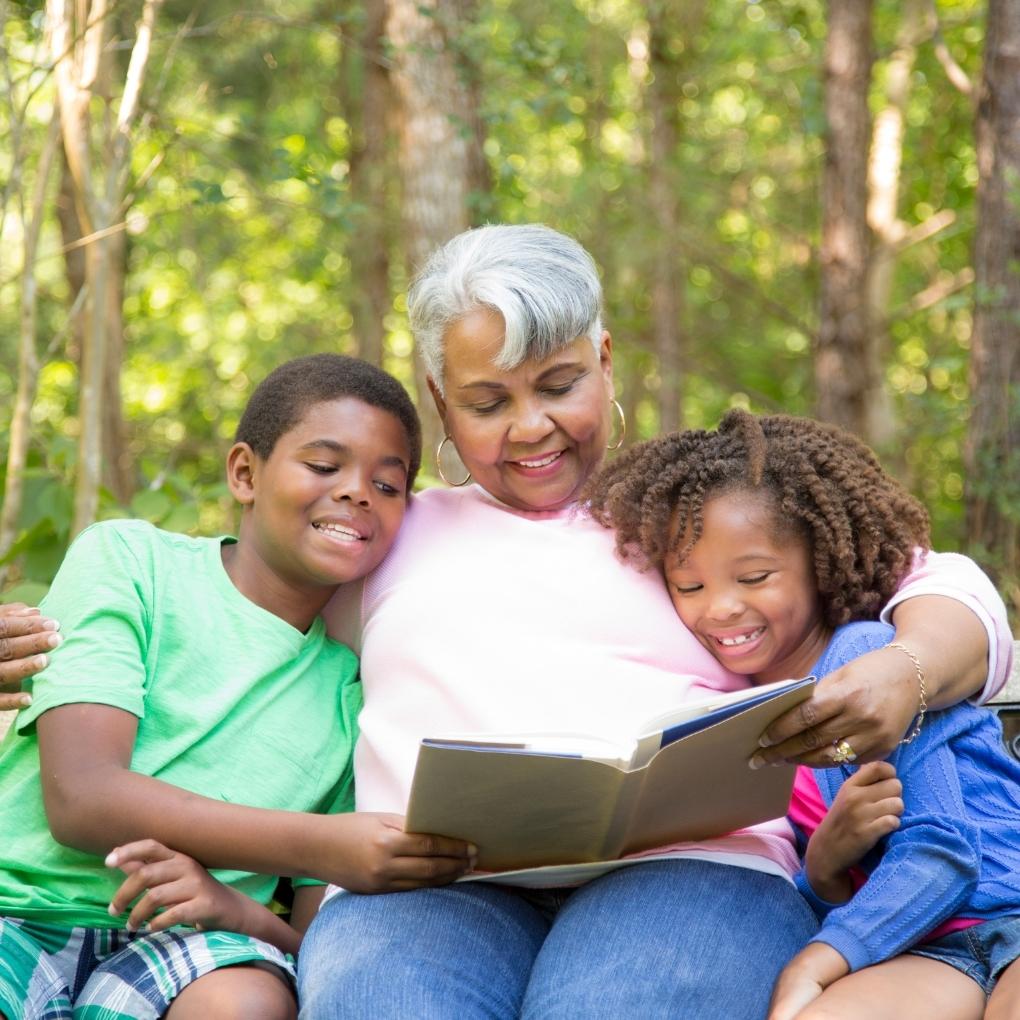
[197,703]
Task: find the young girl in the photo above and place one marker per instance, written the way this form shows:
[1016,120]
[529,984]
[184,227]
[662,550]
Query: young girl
[197,703]
[776,534]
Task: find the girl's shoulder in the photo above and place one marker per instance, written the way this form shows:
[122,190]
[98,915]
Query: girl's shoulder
[851,641]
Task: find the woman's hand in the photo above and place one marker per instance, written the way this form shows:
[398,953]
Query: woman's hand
[172,888]
[378,856]
[870,703]
[804,979]
[25,637]
[866,809]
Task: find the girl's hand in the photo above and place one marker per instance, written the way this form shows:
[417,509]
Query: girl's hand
[172,888]
[870,703]
[25,638]
[381,857]
[867,808]
[804,979]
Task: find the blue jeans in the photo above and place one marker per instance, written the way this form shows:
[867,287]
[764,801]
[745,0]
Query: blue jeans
[673,938]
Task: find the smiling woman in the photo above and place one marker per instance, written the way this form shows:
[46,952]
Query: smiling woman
[503,608]
[535,433]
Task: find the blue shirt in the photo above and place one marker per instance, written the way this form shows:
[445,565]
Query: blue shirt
[957,850]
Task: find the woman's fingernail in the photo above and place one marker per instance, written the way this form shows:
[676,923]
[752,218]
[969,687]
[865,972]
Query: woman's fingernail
[756,762]
[763,741]
[25,700]
[112,910]
[111,859]
[54,641]
[130,928]
[50,625]
[40,662]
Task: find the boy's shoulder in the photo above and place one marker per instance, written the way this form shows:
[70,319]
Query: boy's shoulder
[137,535]
[851,641]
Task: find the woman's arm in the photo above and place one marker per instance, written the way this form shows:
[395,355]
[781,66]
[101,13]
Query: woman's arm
[944,612]
[94,802]
[25,638]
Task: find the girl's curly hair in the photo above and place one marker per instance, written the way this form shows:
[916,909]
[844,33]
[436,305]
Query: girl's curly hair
[825,485]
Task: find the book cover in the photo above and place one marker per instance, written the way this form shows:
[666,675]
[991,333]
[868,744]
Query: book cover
[553,799]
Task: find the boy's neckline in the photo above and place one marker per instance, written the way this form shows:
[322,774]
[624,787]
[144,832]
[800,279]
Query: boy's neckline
[302,623]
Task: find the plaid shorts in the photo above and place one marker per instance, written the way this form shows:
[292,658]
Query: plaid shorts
[53,973]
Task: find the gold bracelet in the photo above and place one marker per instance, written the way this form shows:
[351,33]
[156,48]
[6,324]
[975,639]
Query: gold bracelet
[922,706]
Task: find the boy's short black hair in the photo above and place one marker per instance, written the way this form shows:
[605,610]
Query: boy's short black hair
[282,399]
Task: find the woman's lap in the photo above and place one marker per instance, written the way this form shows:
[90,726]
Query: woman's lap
[661,938]
[462,950]
[670,938]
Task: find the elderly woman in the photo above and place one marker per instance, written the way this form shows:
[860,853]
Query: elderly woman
[502,608]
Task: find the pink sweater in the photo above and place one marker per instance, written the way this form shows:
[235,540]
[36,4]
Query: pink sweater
[486,619]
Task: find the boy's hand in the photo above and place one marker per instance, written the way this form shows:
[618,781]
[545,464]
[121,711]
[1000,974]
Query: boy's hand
[867,808]
[178,886]
[25,637]
[381,857]
[804,979]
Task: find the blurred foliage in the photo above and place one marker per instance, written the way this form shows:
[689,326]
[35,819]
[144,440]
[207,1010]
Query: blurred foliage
[239,241]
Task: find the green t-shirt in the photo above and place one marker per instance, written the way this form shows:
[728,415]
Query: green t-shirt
[232,703]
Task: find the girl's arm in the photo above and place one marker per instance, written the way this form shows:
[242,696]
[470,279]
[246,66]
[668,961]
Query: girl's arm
[949,615]
[930,864]
[94,802]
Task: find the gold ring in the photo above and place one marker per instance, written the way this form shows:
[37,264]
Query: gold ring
[843,752]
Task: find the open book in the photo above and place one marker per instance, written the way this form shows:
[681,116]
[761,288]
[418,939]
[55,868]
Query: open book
[528,800]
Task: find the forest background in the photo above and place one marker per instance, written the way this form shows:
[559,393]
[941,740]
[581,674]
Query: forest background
[795,207]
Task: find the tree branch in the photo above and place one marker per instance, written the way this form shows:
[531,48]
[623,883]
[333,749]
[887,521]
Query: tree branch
[934,293]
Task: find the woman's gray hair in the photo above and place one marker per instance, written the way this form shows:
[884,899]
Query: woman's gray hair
[543,283]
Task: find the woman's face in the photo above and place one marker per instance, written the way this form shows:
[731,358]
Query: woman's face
[533,435]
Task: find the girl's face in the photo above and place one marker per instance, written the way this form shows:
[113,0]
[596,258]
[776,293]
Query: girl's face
[532,435]
[747,590]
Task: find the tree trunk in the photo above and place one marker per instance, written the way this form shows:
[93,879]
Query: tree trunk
[81,61]
[671,25]
[436,159]
[842,364]
[118,470]
[71,233]
[366,100]
[993,450]
[887,228]
[28,358]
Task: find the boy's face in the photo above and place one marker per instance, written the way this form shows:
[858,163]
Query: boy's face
[748,592]
[327,503]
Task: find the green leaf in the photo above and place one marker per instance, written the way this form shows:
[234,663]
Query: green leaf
[151,505]
[29,592]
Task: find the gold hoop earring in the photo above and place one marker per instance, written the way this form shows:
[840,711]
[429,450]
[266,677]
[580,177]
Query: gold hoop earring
[439,466]
[623,426]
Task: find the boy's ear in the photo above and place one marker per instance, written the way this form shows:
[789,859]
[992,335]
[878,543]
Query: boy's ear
[242,463]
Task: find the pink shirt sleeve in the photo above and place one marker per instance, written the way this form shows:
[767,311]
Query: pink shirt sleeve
[959,577]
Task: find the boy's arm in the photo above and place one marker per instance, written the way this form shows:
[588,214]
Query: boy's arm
[94,802]
[174,889]
[307,900]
